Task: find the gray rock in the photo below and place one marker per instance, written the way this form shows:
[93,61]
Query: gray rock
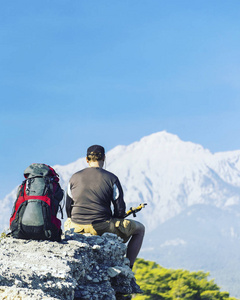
[79,267]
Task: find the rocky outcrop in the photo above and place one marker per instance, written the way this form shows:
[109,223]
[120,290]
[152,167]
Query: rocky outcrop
[79,267]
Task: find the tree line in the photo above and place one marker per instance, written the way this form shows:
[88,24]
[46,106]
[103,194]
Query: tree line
[159,283]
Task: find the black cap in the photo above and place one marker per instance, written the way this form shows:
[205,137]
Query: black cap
[97,150]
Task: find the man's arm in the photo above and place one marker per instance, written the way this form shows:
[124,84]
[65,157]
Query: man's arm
[69,202]
[118,202]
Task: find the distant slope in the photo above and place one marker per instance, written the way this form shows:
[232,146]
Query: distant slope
[203,237]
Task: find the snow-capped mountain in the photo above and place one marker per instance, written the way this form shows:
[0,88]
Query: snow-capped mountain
[193,199]
[170,175]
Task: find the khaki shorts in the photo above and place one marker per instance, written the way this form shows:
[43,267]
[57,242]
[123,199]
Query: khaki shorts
[123,228]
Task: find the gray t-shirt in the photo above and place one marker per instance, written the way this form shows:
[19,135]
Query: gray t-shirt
[90,194]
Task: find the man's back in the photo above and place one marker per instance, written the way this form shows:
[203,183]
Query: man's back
[92,193]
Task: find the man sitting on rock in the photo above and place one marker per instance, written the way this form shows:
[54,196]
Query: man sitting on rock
[90,194]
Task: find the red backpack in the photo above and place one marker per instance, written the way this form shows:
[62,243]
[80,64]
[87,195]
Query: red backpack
[34,214]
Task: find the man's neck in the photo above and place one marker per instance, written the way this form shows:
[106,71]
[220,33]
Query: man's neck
[96,164]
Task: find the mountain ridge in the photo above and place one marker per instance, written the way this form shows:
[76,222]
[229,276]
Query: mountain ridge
[168,173]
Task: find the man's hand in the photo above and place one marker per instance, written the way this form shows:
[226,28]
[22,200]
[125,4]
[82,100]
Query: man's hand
[134,210]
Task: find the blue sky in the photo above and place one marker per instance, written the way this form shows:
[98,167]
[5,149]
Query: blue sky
[75,73]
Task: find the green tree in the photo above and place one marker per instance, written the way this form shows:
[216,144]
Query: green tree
[159,283]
